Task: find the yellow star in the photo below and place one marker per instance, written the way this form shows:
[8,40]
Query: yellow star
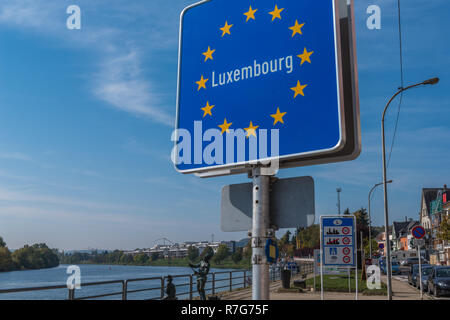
[278,116]
[251,130]
[250,14]
[305,56]
[201,83]
[225,126]
[226,28]
[276,13]
[208,53]
[299,89]
[207,109]
[297,28]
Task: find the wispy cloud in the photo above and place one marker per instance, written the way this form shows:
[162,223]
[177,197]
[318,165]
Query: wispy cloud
[15,156]
[119,80]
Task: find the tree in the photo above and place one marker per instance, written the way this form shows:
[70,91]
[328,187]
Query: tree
[154,256]
[221,254]
[6,262]
[207,250]
[141,258]
[309,237]
[192,253]
[444,233]
[237,255]
[347,212]
[2,243]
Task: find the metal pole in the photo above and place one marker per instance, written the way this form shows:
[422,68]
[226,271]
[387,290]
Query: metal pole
[339,200]
[386,214]
[321,261]
[370,217]
[420,273]
[260,267]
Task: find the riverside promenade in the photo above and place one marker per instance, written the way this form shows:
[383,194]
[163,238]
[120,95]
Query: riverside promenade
[401,291]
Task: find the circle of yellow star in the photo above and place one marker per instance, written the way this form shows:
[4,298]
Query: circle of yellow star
[297,28]
[208,54]
[226,28]
[251,130]
[305,56]
[299,89]
[225,126]
[278,116]
[276,13]
[250,14]
[207,109]
[201,83]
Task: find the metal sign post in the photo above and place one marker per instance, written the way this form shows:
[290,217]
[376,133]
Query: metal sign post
[261,223]
[420,273]
[418,232]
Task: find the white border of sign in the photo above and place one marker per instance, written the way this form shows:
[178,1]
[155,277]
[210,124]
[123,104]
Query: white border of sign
[354,253]
[225,169]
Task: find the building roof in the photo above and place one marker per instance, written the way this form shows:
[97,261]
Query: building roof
[403,228]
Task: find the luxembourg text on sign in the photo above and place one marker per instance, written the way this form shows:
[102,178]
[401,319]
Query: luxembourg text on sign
[257,79]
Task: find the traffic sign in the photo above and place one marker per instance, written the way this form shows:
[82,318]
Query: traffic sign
[265,80]
[338,240]
[272,252]
[291,204]
[418,232]
[381,246]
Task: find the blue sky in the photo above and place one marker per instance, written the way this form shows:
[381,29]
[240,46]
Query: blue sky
[86,118]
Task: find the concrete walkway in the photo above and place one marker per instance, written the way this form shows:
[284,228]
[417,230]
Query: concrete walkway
[401,291]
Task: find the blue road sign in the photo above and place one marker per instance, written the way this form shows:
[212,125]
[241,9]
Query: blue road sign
[266,71]
[381,246]
[271,250]
[418,232]
[338,240]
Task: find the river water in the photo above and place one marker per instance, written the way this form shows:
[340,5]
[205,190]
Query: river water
[95,273]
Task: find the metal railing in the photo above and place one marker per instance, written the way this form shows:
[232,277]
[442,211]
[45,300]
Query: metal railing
[216,282]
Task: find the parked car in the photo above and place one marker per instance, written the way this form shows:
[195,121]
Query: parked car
[413,274]
[438,282]
[395,267]
[426,271]
[409,262]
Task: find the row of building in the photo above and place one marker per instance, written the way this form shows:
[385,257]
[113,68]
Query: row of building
[177,250]
[435,207]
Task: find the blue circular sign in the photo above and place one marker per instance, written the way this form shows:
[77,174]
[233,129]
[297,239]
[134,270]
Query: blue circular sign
[381,245]
[418,232]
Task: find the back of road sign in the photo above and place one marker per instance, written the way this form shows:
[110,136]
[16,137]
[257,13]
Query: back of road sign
[338,240]
[266,80]
[291,204]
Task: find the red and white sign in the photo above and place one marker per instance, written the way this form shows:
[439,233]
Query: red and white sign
[346,259]
[346,251]
[345,230]
[346,240]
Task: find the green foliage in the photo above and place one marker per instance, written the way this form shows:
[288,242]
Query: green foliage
[37,256]
[221,254]
[2,243]
[141,258]
[192,253]
[347,212]
[207,250]
[6,262]
[237,255]
[444,233]
[309,237]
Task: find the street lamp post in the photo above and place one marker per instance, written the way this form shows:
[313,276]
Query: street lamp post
[339,200]
[386,215]
[370,217]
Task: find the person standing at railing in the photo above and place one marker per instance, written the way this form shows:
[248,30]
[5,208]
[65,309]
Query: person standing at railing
[171,291]
[202,272]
